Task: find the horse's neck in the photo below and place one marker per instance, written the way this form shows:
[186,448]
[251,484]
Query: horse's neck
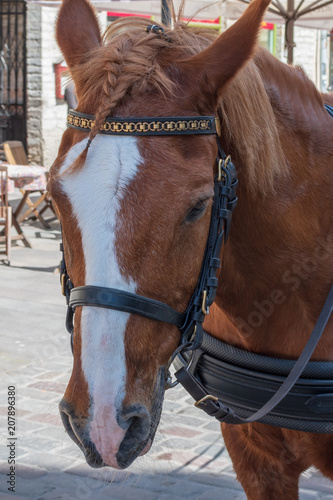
[278,262]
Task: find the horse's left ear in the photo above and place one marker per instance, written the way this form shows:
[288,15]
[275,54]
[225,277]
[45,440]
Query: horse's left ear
[212,68]
[77,31]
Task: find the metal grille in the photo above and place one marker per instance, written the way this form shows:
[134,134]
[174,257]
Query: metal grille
[13,70]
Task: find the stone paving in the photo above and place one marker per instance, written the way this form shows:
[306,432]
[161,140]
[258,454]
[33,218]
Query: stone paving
[188,458]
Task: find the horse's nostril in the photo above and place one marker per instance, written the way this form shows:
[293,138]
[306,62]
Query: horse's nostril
[78,435]
[136,419]
[65,413]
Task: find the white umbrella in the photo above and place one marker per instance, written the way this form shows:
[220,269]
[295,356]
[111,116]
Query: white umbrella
[307,13]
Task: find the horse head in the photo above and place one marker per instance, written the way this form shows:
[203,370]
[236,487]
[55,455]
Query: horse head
[135,211]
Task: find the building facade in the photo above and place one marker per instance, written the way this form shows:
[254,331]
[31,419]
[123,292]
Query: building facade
[46,111]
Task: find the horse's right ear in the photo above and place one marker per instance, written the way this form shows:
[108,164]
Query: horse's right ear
[77,31]
[215,66]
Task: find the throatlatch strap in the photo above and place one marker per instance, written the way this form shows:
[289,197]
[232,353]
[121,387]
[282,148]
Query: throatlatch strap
[120,300]
[215,408]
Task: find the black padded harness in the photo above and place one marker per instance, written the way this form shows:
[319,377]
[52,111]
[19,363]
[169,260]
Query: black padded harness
[221,384]
[295,395]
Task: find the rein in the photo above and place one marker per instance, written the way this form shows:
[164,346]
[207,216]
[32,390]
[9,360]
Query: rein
[190,354]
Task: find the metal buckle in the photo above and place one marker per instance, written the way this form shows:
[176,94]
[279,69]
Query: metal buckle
[185,346]
[222,163]
[154,28]
[204,309]
[206,398]
[219,175]
[218,126]
[63,284]
[168,380]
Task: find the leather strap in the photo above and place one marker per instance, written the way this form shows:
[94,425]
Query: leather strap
[171,125]
[120,300]
[224,414]
[329,109]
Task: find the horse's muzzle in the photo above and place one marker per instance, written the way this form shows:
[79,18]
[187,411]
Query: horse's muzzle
[134,420]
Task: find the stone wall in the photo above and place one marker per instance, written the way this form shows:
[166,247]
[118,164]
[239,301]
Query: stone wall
[305,52]
[54,111]
[34,84]
[46,114]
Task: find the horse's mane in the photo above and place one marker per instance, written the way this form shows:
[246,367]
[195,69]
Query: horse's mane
[130,61]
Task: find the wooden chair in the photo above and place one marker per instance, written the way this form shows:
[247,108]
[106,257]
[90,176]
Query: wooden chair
[16,155]
[5,215]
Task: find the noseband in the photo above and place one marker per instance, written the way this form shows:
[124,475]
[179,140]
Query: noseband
[190,321]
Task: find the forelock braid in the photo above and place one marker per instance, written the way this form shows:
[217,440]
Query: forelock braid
[129,63]
[112,82]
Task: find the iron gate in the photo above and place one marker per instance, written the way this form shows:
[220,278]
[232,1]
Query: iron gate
[13,70]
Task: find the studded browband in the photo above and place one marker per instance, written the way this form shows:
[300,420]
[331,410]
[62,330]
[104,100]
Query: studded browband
[187,125]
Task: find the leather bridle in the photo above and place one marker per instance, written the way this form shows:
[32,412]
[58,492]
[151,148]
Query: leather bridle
[225,183]
[190,321]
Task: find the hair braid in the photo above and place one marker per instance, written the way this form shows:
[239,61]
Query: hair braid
[129,64]
[112,83]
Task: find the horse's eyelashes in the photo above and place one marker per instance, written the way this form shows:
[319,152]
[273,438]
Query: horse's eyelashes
[196,212]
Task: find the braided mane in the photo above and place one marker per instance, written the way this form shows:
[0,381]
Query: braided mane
[127,64]
[130,62]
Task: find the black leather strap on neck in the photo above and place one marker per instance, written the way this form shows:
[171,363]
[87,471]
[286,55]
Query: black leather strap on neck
[120,300]
[222,413]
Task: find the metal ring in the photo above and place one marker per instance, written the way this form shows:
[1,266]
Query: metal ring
[168,380]
[226,161]
[176,352]
[206,398]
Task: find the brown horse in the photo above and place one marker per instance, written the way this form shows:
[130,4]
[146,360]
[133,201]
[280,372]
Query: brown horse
[135,213]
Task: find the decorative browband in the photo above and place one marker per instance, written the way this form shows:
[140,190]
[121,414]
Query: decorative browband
[146,126]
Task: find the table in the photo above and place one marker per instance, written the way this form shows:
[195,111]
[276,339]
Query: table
[27,178]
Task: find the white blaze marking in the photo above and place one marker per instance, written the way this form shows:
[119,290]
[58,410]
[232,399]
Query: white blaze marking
[95,193]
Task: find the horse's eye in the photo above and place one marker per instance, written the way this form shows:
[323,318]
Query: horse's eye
[196,212]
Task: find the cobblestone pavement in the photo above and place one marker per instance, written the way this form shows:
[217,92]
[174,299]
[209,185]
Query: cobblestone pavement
[188,458]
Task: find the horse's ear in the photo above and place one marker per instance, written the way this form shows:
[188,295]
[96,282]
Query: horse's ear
[77,30]
[215,66]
